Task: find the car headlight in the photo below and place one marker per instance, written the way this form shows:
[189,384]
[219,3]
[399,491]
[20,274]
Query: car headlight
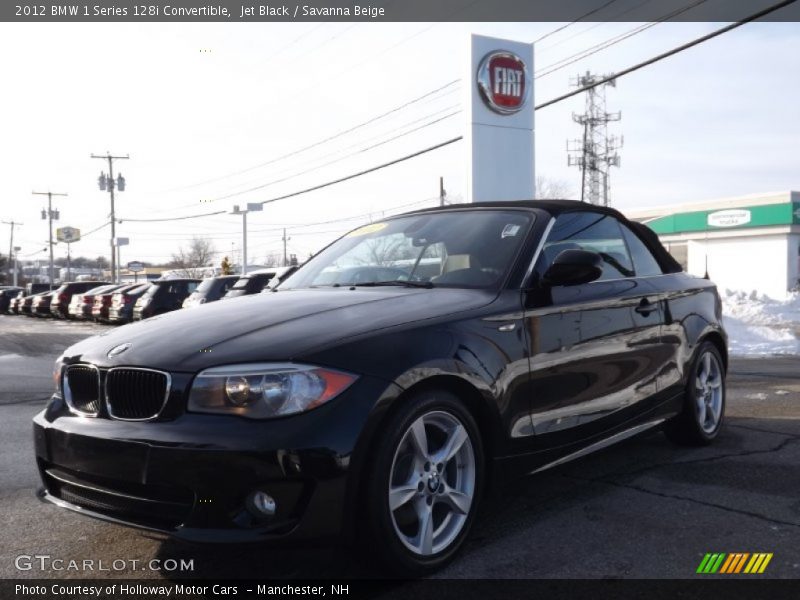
[265,390]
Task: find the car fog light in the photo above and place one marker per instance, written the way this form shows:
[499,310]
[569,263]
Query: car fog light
[261,504]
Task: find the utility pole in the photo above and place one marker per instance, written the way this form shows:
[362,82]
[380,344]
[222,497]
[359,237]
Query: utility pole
[254,207]
[49,216]
[16,264]
[597,152]
[442,192]
[108,183]
[10,250]
[285,256]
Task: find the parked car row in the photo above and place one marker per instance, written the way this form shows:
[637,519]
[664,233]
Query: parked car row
[106,302]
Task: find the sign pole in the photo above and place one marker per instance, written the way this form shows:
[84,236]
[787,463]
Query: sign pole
[499,114]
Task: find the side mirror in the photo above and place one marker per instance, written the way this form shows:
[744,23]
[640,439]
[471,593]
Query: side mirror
[574,267]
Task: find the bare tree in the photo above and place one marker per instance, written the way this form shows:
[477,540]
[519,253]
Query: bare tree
[386,250]
[552,189]
[273,259]
[195,260]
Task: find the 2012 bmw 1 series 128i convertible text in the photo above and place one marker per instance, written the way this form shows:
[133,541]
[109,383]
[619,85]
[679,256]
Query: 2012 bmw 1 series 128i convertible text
[371,394]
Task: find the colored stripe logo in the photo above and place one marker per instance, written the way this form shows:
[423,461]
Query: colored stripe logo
[734,563]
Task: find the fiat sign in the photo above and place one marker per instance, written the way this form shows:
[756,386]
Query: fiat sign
[503,80]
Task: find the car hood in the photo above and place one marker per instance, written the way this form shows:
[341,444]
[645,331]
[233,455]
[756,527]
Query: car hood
[277,326]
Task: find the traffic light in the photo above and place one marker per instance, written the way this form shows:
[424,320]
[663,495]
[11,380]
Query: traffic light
[56,215]
[101,181]
[120,183]
[44,215]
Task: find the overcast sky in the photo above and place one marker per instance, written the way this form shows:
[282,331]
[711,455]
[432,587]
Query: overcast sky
[195,104]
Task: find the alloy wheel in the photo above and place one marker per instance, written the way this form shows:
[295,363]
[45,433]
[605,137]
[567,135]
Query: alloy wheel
[432,483]
[708,392]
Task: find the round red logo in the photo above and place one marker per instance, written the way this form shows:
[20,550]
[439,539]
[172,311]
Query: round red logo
[504,82]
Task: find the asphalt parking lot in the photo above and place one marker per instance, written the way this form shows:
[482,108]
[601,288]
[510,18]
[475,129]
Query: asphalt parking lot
[642,509]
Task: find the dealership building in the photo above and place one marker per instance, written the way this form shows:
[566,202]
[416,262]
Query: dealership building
[745,243]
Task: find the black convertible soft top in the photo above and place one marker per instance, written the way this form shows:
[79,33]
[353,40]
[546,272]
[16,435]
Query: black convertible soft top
[556,207]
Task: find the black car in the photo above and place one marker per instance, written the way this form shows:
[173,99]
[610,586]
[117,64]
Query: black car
[210,290]
[7,294]
[252,283]
[163,295]
[122,303]
[521,335]
[59,307]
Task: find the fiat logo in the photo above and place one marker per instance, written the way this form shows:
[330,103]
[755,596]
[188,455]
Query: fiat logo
[116,350]
[504,82]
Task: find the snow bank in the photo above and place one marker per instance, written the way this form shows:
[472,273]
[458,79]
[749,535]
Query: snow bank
[759,325]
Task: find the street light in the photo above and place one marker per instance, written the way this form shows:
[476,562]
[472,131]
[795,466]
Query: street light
[251,207]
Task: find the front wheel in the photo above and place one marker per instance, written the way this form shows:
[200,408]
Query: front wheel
[425,483]
[704,400]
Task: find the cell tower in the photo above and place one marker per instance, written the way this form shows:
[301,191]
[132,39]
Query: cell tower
[597,151]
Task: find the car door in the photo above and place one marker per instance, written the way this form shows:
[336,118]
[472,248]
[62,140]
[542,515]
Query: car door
[593,347]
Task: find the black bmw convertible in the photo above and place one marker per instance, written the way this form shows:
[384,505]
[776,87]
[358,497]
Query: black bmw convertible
[375,393]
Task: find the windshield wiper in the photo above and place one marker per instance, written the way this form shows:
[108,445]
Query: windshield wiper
[398,282]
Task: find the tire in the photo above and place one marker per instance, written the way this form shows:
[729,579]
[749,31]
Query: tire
[442,492]
[699,423]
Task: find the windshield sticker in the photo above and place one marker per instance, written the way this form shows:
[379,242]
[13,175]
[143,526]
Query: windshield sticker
[509,231]
[371,228]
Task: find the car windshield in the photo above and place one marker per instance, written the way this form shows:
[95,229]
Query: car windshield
[464,248]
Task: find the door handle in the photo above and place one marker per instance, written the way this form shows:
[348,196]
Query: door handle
[646,307]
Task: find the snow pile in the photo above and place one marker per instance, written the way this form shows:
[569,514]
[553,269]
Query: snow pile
[759,325]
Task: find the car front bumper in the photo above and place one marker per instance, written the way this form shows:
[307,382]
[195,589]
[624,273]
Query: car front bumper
[190,477]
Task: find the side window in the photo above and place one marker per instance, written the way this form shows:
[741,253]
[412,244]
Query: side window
[594,232]
[644,263]
[191,286]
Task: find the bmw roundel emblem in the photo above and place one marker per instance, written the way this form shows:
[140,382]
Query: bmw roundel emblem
[116,350]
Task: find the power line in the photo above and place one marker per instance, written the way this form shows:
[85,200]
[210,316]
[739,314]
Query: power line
[551,102]
[662,56]
[616,18]
[581,18]
[558,65]
[96,229]
[295,226]
[366,171]
[341,158]
[219,212]
[324,140]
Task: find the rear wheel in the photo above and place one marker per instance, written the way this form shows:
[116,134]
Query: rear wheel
[704,401]
[425,484]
